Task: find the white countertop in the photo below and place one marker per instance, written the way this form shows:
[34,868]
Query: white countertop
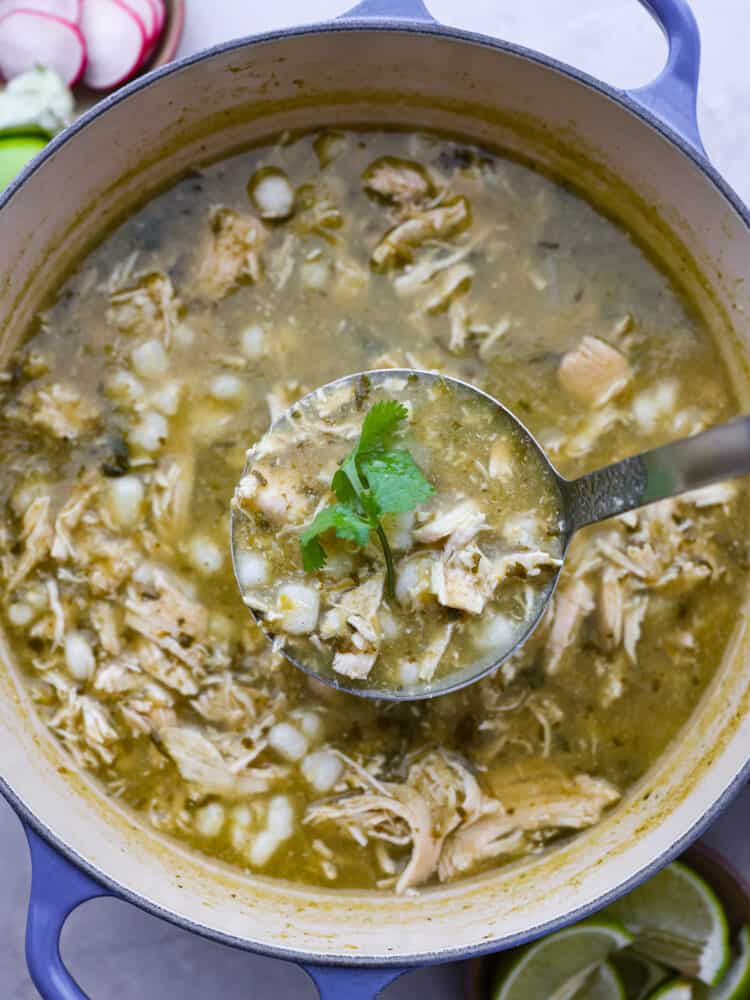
[120,953]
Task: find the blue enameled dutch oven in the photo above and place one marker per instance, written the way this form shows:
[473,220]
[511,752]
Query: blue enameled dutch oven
[637,154]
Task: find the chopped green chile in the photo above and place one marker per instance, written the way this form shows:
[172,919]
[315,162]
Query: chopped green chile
[473,563]
[194,324]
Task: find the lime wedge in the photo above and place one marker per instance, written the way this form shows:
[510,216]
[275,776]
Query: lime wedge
[15,153]
[639,975]
[555,967]
[677,989]
[735,985]
[678,921]
[602,984]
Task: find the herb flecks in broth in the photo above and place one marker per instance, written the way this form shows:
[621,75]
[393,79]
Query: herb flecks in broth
[195,323]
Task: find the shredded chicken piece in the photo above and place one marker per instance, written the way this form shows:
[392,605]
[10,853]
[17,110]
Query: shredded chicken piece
[464,580]
[434,223]
[572,604]
[398,181]
[36,535]
[594,372]
[233,252]
[430,659]
[159,664]
[69,516]
[461,523]
[58,409]
[172,493]
[547,805]
[375,816]
[355,665]
[201,764]
[275,492]
[150,307]
[451,282]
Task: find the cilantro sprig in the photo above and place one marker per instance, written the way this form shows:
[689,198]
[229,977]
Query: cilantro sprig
[374,479]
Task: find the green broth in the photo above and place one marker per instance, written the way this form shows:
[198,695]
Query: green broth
[126,416]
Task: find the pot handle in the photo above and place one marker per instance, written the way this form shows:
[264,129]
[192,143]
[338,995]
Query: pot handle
[672,96]
[337,982]
[389,10]
[57,888]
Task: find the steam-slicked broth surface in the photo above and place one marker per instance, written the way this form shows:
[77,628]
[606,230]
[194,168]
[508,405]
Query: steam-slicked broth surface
[126,416]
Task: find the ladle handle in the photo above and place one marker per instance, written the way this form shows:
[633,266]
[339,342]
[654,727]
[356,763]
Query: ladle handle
[722,452]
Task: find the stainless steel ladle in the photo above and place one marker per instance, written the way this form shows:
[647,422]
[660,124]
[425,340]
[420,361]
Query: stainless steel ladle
[723,452]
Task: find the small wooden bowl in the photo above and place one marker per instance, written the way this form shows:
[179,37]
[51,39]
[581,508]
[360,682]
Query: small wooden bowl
[729,886]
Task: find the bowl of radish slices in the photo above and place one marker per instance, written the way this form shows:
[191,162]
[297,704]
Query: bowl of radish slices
[95,44]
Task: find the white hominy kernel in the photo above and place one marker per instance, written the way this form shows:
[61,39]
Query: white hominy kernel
[20,614]
[205,555]
[298,608]
[389,627]
[322,770]
[184,335]
[251,341]
[279,827]
[497,633]
[653,405]
[310,723]
[79,656]
[150,359]
[150,433]
[252,569]
[242,816]
[126,500]
[273,195]
[288,741]
[125,386]
[226,387]
[209,819]
[315,274]
[167,399]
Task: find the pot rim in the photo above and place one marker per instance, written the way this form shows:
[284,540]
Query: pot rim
[626,100]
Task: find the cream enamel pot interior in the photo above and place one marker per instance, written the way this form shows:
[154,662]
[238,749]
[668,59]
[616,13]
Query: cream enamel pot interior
[388,66]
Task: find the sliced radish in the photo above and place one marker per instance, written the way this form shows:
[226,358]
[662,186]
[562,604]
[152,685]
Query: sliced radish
[69,10]
[115,42]
[161,13]
[30,38]
[146,14]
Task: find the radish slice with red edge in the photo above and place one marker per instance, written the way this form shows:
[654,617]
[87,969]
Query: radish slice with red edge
[68,10]
[30,38]
[115,42]
[161,13]
[146,14]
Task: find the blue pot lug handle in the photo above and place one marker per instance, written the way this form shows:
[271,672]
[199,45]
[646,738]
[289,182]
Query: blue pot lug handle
[57,888]
[339,982]
[390,10]
[672,96]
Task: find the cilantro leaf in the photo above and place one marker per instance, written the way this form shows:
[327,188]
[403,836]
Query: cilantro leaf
[374,479]
[379,425]
[396,482]
[343,521]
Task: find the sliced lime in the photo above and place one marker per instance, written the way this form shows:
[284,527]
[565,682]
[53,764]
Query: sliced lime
[15,153]
[735,984]
[678,921]
[639,975]
[555,967]
[602,984]
[676,989]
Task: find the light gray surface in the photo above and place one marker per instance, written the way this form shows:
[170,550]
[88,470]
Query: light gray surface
[119,953]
